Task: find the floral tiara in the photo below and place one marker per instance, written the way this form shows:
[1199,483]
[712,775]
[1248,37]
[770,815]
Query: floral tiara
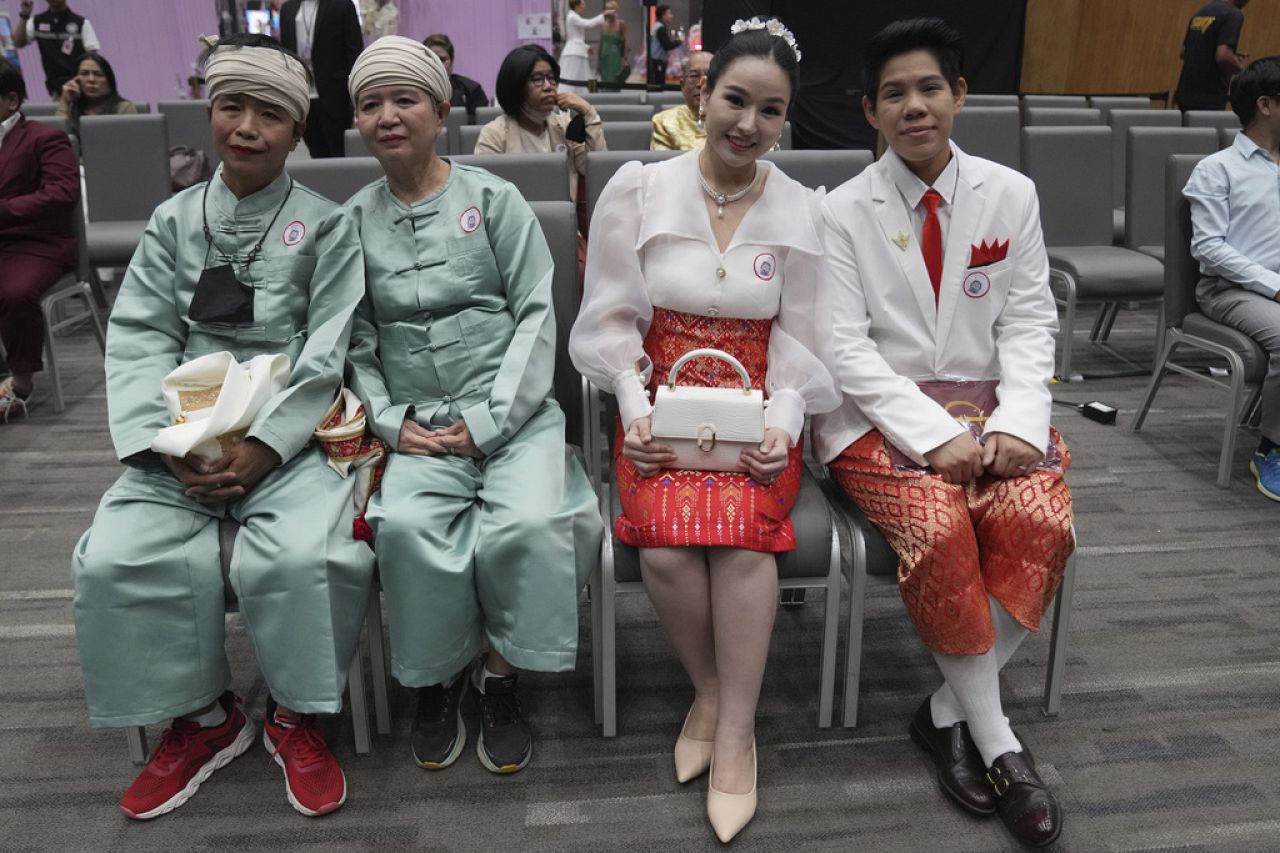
[772,26]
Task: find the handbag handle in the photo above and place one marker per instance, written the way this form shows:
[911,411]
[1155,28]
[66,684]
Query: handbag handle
[709,353]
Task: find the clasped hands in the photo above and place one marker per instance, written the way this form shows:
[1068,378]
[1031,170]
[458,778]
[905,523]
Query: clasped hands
[963,459]
[232,475]
[454,441]
[764,463]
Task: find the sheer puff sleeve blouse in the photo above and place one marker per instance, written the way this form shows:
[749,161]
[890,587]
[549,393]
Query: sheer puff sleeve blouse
[652,247]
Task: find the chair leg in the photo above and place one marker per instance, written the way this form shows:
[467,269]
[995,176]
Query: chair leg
[830,631]
[853,630]
[1069,322]
[378,662]
[1234,403]
[597,654]
[1109,321]
[137,736]
[1157,376]
[1100,322]
[52,362]
[608,640]
[1058,641]
[358,699]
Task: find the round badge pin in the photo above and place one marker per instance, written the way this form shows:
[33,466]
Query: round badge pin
[470,219]
[561,148]
[765,266]
[293,233]
[976,284]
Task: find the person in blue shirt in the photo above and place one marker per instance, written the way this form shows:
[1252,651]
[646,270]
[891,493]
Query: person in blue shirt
[1235,220]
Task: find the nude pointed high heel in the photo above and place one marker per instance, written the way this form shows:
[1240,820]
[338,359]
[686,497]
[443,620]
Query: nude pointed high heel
[729,813]
[692,756]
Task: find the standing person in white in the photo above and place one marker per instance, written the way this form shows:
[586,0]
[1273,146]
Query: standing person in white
[943,327]
[575,64]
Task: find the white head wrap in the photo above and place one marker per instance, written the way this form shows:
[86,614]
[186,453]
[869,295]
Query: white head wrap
[264,73]
[396,60]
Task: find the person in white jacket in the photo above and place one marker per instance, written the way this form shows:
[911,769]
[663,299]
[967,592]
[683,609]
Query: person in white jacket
[575,64]
[942,339]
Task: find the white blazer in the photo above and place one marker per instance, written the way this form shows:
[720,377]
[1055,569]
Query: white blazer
[993,320]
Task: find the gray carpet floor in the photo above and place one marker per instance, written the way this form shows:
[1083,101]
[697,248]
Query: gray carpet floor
[1167,738]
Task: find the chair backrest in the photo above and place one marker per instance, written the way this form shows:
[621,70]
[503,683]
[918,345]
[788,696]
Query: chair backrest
[143,109]
[1107,103]
[188,123]
[1181,270]
[126,166]
[628,135]
[335,178]
[60,122]
[981,100]
[990,132]
[1149,149]
[1211,118]
[1071,167]
[468,136]
[458,118]
[1070,102]
[1121,120]
[623,112]
[484,115]
[1227,137]
[822,168]
[601,166]
[1060,117]
[539,177]
[31,110]
[560,228]
[628,97]
[662,100]
[353,143]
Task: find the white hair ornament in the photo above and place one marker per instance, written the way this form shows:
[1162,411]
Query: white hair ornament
[772,26]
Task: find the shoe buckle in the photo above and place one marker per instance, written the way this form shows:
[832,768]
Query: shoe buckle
[998,781]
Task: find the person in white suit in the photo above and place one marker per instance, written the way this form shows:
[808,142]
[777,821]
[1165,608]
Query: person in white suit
[942,344]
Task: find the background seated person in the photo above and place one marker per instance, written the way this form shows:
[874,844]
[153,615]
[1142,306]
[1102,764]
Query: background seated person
[467,93]
[680,128]
[92,91]
[1235,220]
[39,193]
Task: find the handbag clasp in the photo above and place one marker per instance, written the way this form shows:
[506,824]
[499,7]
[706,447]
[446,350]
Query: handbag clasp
[707,433]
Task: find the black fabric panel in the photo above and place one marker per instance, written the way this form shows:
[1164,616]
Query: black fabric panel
[828,111]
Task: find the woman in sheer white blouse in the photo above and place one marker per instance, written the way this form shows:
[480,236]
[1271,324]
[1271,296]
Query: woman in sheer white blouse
[712,249]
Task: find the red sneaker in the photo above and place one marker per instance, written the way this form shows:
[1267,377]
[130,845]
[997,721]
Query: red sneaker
[186,756]
[312,778]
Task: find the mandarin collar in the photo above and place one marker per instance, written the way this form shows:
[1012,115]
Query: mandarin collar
[264,201]
[782,216]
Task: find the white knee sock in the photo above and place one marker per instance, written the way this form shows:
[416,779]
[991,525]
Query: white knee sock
[215,716]
[1009,635]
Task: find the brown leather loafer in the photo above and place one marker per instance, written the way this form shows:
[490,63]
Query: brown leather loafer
[961,772]
[1029,810]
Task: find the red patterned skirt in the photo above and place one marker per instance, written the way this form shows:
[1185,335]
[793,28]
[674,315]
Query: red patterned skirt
[677,507]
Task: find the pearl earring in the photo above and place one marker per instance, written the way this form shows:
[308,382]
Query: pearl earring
[702,117]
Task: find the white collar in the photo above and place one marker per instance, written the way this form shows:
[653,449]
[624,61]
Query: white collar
[913,189]
[673,204]
[7,124]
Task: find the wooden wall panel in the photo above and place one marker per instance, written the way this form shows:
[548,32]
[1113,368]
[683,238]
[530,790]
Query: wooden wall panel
[1122,46]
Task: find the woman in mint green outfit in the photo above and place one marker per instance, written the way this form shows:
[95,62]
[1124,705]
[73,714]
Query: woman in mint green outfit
[485,528]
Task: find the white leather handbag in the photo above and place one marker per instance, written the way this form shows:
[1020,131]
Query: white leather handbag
[708,428]
[213,400]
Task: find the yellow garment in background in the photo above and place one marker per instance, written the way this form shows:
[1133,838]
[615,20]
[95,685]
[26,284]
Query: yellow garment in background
[677,129]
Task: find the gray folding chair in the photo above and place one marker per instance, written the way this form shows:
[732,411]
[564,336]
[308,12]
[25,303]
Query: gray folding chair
[188,123]
[601,166]
[60,122]
[1071,167]
[978,99]
[1107,103]
[1121,120]
[356,693]
[484,115]
[822,168]
[871,556]
[335,178]
[1211,118]
[610,113]
[126,173]
[628,135]
[1186,327]
[31,110]
[74,285]
[1147,154]
[1227,137]
[990,132]
[458,118]
[1060,117]
[663,100]
[628,97]
[468,135]
[1069,102]
[539,177]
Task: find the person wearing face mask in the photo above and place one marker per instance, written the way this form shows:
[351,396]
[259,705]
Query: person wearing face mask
[714,248]
[252,263]
[467,93]
[93,91]
[485,528]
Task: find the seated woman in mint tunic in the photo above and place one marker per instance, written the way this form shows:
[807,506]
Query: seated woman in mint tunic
[485,527]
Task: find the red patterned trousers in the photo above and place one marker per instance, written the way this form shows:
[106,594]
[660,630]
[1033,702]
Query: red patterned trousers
[1007,538]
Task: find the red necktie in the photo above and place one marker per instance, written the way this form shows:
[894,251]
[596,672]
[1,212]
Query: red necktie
[931,240]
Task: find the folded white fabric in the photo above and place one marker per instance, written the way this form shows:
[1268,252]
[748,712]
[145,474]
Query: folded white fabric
[213,400]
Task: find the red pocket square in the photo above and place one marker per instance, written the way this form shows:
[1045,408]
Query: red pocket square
[986,253]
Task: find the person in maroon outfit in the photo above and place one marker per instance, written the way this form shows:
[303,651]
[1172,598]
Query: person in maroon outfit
[39,193]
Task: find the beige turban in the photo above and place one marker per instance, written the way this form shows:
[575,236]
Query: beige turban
[399,61]
[264,73]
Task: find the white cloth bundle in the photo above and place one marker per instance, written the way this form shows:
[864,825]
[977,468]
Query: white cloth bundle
[213,399]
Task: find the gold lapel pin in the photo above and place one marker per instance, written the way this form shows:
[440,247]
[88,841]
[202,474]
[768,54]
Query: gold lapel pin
[902,239]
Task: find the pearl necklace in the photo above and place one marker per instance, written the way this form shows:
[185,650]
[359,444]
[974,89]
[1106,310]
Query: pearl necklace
[721,199]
